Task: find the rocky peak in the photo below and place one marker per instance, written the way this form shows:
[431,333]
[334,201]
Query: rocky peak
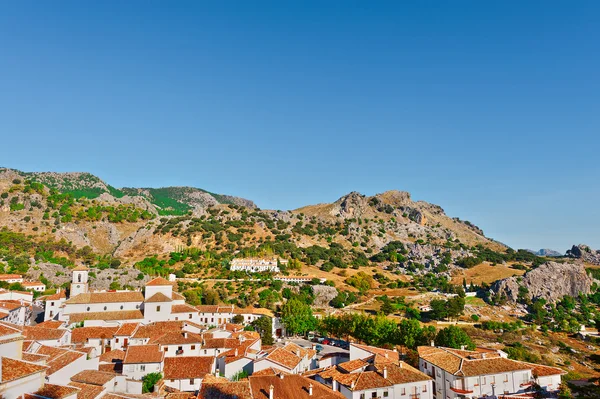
[584,253]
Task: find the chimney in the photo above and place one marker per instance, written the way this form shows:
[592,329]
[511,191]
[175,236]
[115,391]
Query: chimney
[281,375]
[310,387]
[352,385]
[432,343]
[334,385]
[483,355]
[401,364]
[385,372]
[271,392]
[185,334]
[236,352]
[462,347]
[386,355]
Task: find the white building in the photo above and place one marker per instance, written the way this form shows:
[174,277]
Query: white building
[257,265]
[291,359]
[473,374]
[34,286]
[11,278]
[186,373]
[298,279]
[141,360]
[53,305]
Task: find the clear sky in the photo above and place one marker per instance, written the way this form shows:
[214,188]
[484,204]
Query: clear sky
[489,109]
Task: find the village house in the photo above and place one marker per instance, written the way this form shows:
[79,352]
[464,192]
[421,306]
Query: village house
[484,372]
[53,305]
[141,360]
[107,382]
[34,286]
[186,373]
[11,278]
[15,312]
[62,363]
[291,359]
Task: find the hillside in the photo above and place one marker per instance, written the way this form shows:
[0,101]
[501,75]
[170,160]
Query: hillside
[389,236]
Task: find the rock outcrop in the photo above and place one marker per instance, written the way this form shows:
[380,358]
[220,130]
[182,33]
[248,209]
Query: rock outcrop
[551,281]
[584,253]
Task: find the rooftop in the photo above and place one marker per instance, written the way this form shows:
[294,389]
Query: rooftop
[116,315]
[83,334]
[106,297]
[93,377]
[158,281]
[13,369]
[52,391]
[185,367]
[143,354]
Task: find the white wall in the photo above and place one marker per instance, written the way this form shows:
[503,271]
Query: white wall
[137,371]
[14,389]
[63,375]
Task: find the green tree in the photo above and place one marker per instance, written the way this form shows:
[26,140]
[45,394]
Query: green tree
[149,380]
[454,337]
[297,317]
[264,326]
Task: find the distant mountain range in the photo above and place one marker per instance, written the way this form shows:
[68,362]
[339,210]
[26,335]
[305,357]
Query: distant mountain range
[546,252]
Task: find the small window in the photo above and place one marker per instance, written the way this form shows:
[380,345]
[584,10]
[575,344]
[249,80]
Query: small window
[403,391]
[176,318]
[205,351]
[158,308]
[505,377]
[484,380]
[121,307]
[362,396]
[172,380]
[117,340]
[51,303]
[137,306]
[386,394]
[374,394]
[191,381]
[193,347]
[166,349]
[190,316]
[105,308]
[425,388]
[143,367]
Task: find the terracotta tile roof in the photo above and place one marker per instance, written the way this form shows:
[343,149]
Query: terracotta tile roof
[270,371]
[181,395]
[52,391]
[56,297]
[183,309]
[9,329]
[158,281]
[93,377]
[157,328]
[112,356]
[291,386]
[43,334]
[117,315]
[207,308]
[185,367]
[283,357]
[87,391]
[10,305]
[13,369]
[176,338]
[369,380]
[352,365]
[115,368]
[34,358]
[143,354]
[50,324]
[127,329]
[159,297]
[220,343]
[177,296]
[469,363]
[10,276]
[59,357]
[401,373]
[386,353]
[221,388]
[106,297]
[233,327]
[544,371]
[82,334]
[32,284]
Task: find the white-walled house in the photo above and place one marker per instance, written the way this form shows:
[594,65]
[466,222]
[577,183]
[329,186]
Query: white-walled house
[362,379]
[53,305]
[291,359]
[186,373]
[48,336]
[141,360]
[473,374]
[18,377]
[62,363]
[34,286]
[179,344]
[11,278]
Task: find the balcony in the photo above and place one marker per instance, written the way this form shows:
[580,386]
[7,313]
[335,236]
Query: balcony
[460,388]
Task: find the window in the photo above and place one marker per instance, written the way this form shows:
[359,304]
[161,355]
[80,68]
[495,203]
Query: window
[362,396]
[121,307]
[166,348]
[105,308]
[493,379]
[158,308]
[143,367]
[51,303]
[190,316]
[193,347]
[205,351]
[386,394]
[403,392]
[505,377]
[374,394]
[137,306]
[484,380]
[79,278]
[88,308]
[176,318]
[425,388]
[117,340]
[191,381]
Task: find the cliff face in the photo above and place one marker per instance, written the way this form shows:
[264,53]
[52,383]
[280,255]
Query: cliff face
[551,281]
[584,253]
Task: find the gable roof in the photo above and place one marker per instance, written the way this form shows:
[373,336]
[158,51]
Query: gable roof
[93,377]
[13,369]
[83,334]
[158,297]
[52,391]
[114,355]
[42,333]
[87,391]
[290,386]
[158,281]
[221,388]
[106,297]
[176,338]
[115,315]
[143,354]
[58,357]
[126,329]
[185,367]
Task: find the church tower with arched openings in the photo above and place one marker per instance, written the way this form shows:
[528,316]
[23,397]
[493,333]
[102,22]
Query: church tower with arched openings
[79,283]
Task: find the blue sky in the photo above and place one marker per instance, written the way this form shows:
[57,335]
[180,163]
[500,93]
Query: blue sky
[489,109]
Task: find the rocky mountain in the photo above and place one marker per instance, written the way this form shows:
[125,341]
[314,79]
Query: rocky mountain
[585,253]
[546,252]
[550,281]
